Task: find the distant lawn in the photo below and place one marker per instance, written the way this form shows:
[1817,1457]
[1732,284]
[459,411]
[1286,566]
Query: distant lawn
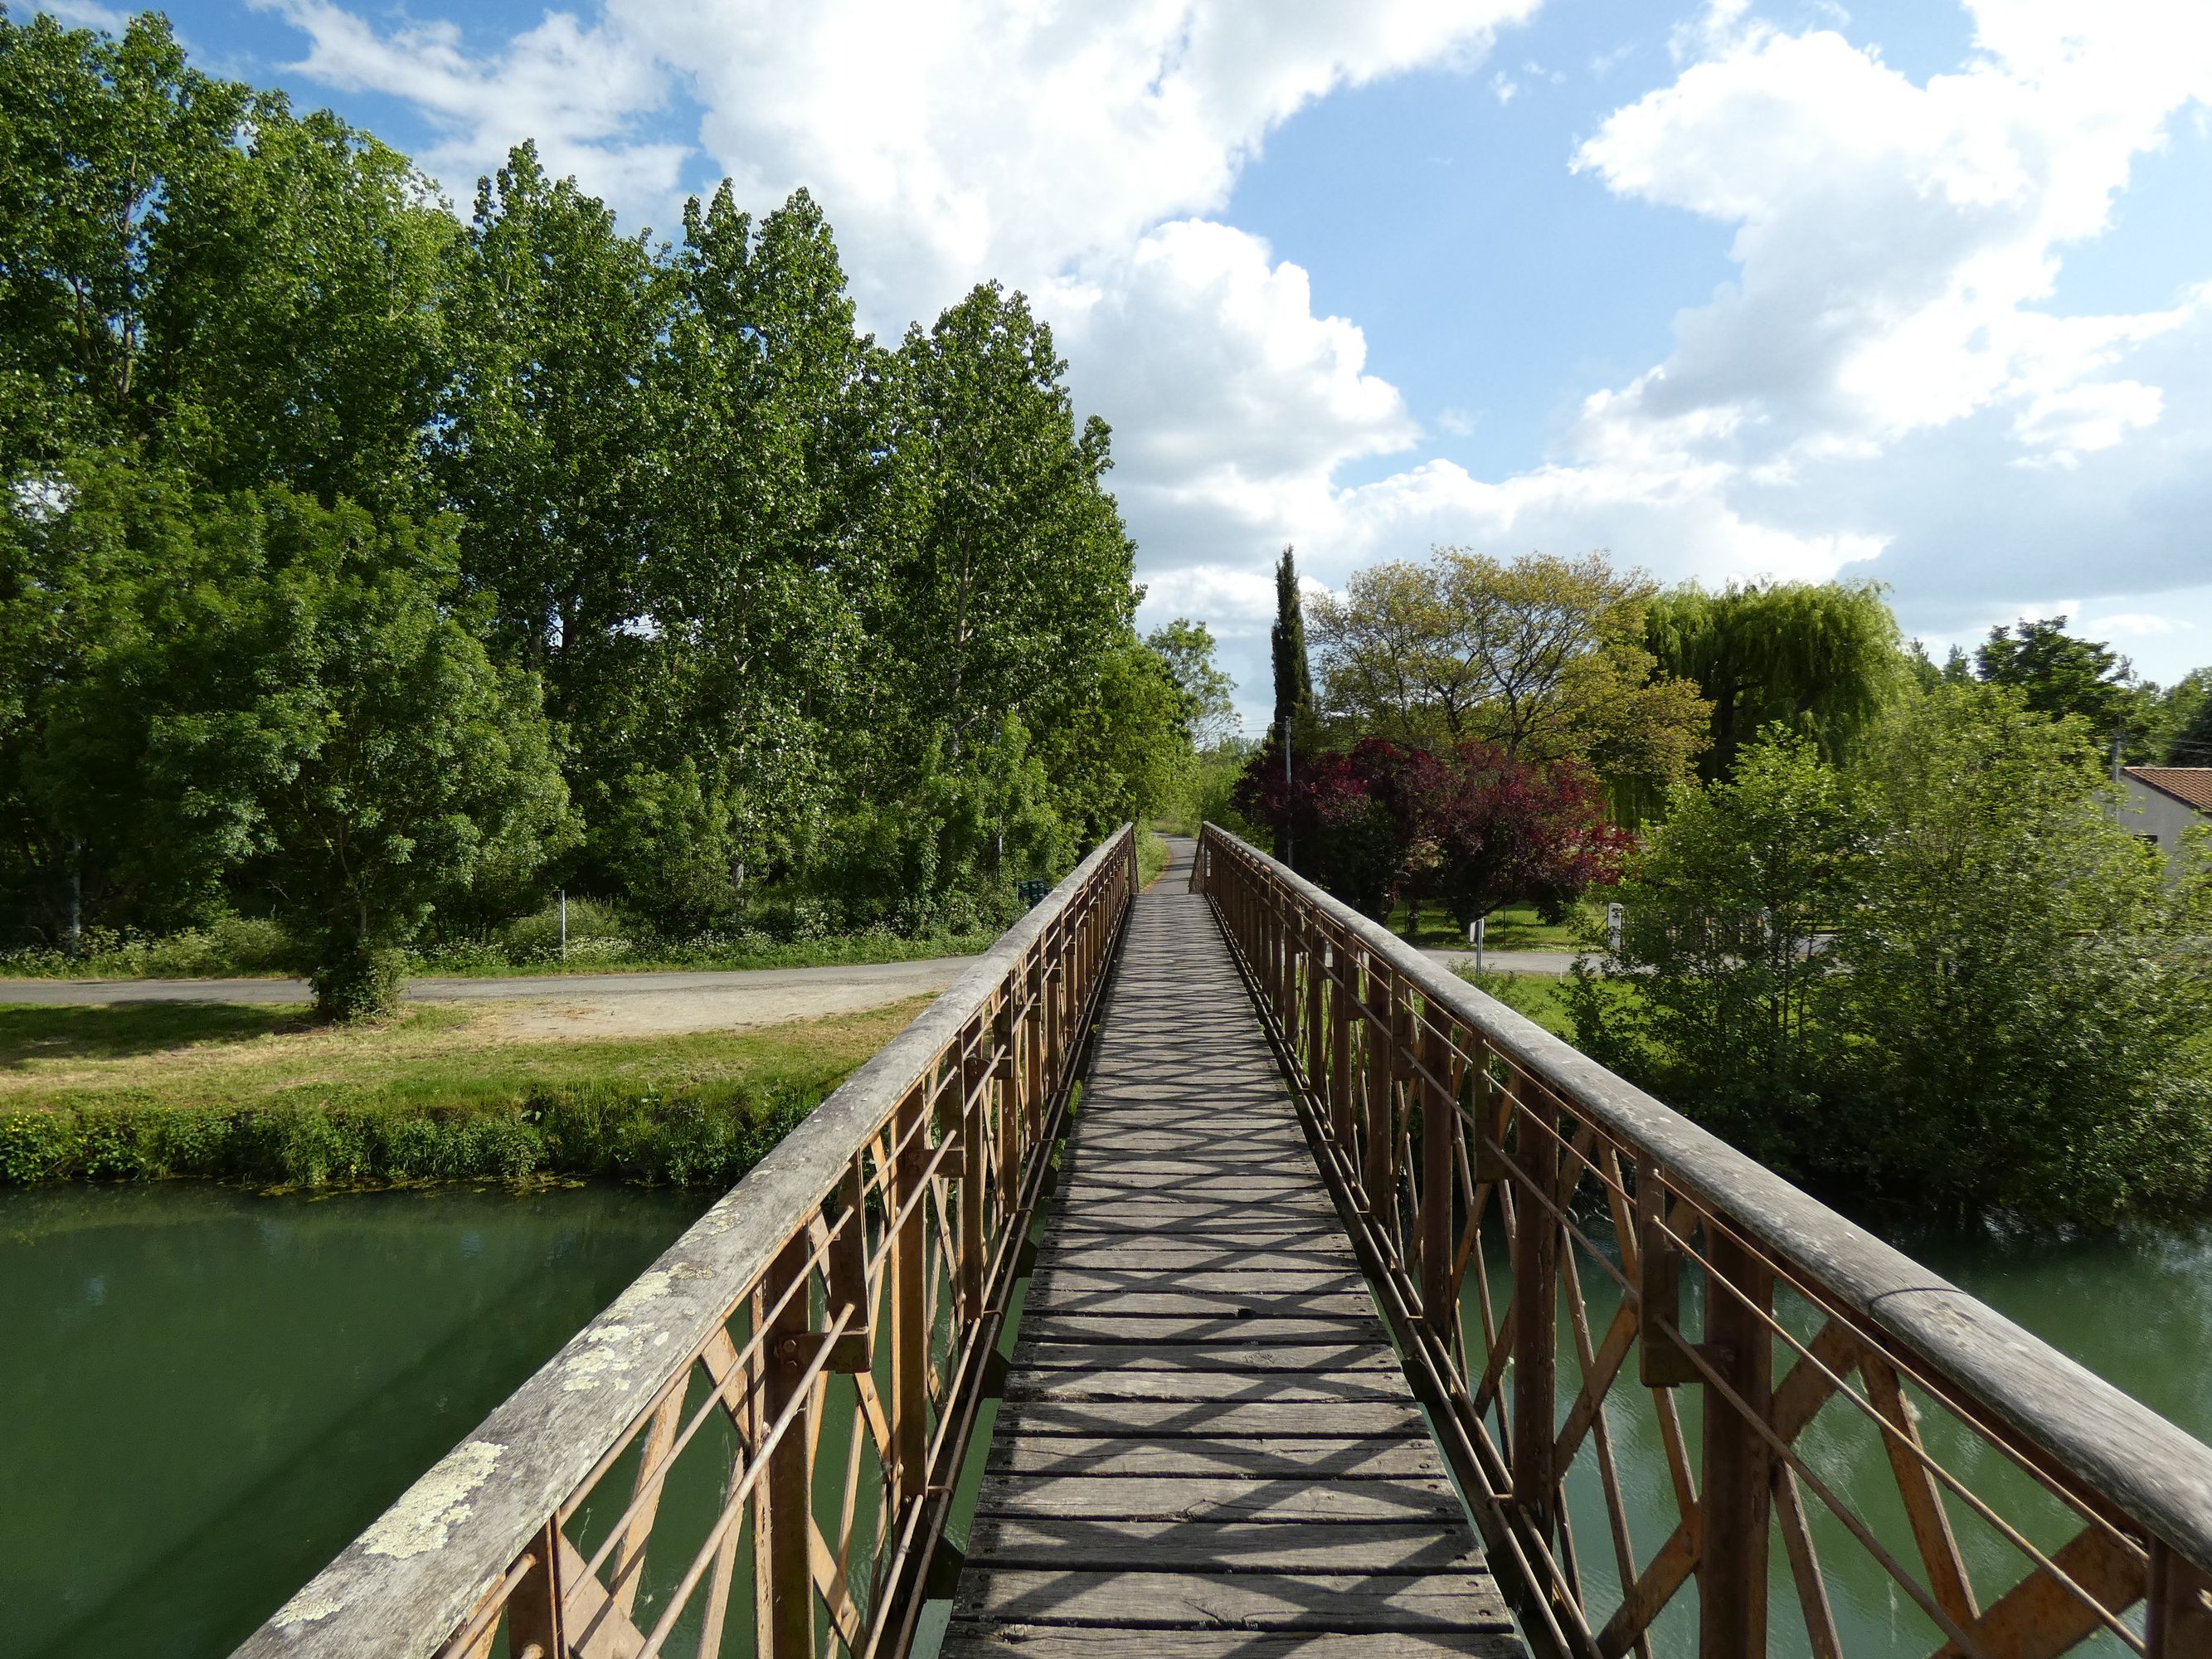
[1541,997]
[239,1056]
[1511,928]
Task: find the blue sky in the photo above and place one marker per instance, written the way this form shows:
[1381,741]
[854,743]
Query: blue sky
[1910,290]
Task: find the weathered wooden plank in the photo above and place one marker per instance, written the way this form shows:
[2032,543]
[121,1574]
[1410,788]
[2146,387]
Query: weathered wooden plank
[1230,1547]
[1156,1254]
[1257,1226]
[1278,1458]
[1170,1212]
[1139,1303]
[1006,1641]
[1161,1419]
[1218,1498]
[1235,1600]
[1206,1385]
[1047,1327]
[1205,1357]
[1268,1283]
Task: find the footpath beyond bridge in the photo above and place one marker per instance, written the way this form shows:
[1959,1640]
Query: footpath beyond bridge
[1339,1255]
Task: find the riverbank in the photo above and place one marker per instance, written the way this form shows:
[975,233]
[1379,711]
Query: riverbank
[153,1091]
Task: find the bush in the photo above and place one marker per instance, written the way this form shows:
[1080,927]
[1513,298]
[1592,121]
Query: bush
[2009,1014]
[693,1135]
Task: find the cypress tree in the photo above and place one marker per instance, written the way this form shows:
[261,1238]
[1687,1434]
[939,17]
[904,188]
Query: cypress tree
[1293,678]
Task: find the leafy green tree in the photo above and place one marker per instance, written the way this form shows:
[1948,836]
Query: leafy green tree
[1718,993]
[2026,1001]
[299,314]
[1117,744]
[546,442]
[294,700]
[97,129]
[1187,647]
[668,841]
[1543,656]
[770,430]
[1010,574]
[1822,658]
[188,266]
[2057,674]
[74,541]
[2186,718]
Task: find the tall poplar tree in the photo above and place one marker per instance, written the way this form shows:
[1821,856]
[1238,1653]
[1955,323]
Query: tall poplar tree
[1293,676]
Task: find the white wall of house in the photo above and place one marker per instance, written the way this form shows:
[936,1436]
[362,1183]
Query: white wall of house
[2153,812]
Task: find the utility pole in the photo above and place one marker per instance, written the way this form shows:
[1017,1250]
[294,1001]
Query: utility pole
[564,924]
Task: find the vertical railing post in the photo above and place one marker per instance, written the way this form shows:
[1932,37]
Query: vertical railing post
[1381,1077]
[2181,1620]
[1737,1491]
[1535,1321]
[1005,1034]
[783,1599]
[1318,953]
[909,1309]
[975,1175]
[1341,994]
[1033,1032]
[533,1610]
[1439,1130]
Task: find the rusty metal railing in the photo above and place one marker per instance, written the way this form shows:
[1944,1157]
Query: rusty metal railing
[1839,1427]
[760,1438]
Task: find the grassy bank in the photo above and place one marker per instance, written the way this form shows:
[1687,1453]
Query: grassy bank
[230,1092]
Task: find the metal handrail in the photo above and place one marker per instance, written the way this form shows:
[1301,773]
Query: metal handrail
[1438,1111]
[877,1243]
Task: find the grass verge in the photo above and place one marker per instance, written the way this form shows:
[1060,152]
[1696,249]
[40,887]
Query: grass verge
[1541,997]
[229,1092]
[1151,858]
[1511,928]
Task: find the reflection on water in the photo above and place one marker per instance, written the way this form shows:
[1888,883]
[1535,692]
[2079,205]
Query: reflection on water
[208,1392]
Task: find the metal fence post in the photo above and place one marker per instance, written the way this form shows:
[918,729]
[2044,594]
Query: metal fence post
[1738,1496]
[1439,1129]
[783,1609]
[909,1315]
[1535,1322]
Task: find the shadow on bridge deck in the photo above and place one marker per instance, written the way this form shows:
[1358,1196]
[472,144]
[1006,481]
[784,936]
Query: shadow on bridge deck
[1207,1445]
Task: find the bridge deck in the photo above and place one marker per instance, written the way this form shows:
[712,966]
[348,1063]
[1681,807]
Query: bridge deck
[1206,1446]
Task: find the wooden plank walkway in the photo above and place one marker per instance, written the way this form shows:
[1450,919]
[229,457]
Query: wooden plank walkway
[1206,1446]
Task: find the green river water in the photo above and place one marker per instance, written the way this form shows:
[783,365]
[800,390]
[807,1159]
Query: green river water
[208,1392]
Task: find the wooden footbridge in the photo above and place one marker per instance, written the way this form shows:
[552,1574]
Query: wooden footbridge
[1208,1274]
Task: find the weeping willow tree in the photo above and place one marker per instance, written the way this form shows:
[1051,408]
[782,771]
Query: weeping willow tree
[1822,658]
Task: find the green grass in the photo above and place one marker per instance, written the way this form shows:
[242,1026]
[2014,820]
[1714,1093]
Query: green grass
[1151,858]
[1511,928]
[463,962]
[223,1091]
[1541,997]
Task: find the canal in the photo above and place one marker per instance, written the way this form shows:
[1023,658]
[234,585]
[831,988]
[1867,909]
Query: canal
[208,1392]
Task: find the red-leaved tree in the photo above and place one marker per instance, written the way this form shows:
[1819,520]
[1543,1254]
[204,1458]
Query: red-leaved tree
[1469,830]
